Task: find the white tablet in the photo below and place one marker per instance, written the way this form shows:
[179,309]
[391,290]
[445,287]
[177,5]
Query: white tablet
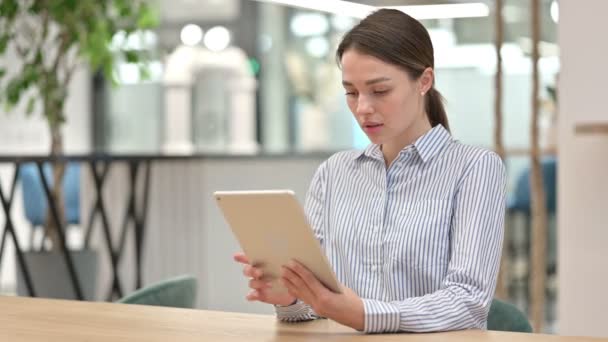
[272,229]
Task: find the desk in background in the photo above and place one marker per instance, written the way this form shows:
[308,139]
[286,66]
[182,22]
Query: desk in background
[32,319]
[169,194]
[99,166]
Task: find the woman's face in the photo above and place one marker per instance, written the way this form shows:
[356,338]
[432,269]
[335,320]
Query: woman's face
[386,102]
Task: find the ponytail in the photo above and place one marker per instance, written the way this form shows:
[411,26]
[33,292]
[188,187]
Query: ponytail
[435,109]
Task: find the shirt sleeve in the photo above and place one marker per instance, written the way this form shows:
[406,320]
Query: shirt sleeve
[314,208]
[477,232]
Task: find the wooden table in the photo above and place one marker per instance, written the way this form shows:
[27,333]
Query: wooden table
[35,319]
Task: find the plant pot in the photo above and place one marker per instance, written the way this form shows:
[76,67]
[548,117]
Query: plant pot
[50,276]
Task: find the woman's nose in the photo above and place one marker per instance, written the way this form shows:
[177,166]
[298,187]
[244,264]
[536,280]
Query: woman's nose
[364,106]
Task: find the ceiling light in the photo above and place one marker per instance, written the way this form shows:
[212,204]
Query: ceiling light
[309,24]
[317,47]
[191,34]
[554,10]
[420,12]
[217,38]
[346,8]
[465,10]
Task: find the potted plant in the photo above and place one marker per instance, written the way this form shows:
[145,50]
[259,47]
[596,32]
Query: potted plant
[52,39]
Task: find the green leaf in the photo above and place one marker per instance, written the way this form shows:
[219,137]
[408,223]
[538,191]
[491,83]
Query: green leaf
[131,56]
[2,73]
[144,72]
[36,7]
[9,8]
[38,57]
[70,5]
[8,107]
[108,71]
[31,103]
[147,18]
[4,39]
[124,8]
[14,89]
[30,74]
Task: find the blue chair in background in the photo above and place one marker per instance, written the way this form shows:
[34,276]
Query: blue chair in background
[521,203]
[34,197]
[518,238]
[521,199]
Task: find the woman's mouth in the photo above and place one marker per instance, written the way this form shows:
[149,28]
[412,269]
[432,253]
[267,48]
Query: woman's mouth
[372,128]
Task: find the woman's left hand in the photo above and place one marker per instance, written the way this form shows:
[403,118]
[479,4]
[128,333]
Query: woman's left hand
[345,308]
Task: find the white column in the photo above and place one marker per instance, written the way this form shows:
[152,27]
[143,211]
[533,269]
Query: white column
[274,99]
[582,170]
[242,116]
[178,81]
[178,119]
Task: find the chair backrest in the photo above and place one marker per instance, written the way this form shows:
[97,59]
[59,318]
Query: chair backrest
[521,199]
[34,198]
[506,317]
[179,292]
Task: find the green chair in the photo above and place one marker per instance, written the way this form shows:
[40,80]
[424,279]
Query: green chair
[179,292]
[506,317]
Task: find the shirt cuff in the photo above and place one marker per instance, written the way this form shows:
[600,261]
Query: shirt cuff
[297,312]
[380,316]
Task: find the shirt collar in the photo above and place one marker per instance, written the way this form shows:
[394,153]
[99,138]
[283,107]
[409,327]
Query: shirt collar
[432,142]
[427,146]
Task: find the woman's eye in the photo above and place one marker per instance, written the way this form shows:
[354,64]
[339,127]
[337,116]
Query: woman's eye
[350,93]
[380,92]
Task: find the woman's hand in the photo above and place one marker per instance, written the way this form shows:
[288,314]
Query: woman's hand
[260,289]
[345,308]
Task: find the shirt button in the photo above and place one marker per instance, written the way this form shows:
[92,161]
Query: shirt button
[374,268]
[376,228]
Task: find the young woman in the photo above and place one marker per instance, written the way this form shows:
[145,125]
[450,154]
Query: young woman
[412,225]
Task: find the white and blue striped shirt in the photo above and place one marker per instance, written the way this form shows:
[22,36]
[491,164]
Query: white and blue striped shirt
[420,243]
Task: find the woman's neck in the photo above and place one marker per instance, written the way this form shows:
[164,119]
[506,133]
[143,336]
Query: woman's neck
[391,149]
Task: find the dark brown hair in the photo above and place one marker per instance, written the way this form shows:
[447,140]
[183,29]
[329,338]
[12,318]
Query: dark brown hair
[396,38]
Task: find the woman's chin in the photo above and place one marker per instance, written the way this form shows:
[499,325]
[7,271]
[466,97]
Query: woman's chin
[376,140]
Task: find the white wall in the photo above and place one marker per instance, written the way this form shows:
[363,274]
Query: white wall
[583,170]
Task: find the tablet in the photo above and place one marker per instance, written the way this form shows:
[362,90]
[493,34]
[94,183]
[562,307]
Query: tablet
[272,229]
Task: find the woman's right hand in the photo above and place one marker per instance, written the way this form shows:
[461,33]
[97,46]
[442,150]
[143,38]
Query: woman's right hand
[260,289]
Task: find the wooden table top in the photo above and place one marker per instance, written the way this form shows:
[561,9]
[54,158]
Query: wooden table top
[32,319]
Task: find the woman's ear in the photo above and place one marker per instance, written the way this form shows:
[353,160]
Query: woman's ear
[425,81]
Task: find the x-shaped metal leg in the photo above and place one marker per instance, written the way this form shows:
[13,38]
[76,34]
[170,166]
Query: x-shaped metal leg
[132,215]
[140,223]
[95,211]
[135,216]
[60,232]
[98,179]
[9,229]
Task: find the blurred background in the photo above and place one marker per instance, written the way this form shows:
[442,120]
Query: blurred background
[255,84]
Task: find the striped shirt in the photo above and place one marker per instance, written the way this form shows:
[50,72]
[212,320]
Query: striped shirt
[419,242]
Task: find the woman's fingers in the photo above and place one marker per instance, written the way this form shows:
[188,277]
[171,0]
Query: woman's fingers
[259,284]
[242,258]
[253,295]
[252,272]
[248,270]
[260,289]
[259,295]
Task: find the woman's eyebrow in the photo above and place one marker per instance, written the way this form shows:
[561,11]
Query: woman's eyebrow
[368,82]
